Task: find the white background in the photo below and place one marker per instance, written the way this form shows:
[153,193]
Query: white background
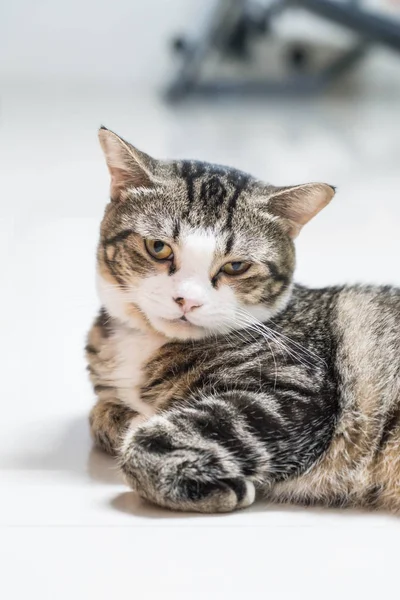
[70,526]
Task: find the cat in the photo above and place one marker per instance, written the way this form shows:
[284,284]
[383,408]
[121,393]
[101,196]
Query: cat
[216,376]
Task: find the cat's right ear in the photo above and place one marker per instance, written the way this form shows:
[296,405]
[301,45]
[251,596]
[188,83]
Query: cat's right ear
[129,167]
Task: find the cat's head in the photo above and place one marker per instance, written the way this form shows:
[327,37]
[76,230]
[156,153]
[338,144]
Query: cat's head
[192,249]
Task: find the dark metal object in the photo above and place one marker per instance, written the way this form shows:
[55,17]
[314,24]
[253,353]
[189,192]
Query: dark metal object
[231,26]
[377,29]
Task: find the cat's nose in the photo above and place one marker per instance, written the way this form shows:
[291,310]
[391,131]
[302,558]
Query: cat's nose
[187,304]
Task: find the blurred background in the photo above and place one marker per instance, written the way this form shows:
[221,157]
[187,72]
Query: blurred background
[292,92]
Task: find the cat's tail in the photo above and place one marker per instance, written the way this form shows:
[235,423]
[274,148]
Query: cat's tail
[195,457]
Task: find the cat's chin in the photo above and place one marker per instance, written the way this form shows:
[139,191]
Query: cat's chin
[178,329]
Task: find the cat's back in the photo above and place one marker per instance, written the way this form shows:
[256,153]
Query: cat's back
[366,327]
[362,321]
[362,463]
[373,306]
[360,326]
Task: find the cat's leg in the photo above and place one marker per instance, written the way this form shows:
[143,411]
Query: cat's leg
[198,456]
[109,420]
[111,416]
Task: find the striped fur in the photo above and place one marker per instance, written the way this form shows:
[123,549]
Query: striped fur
[300,401]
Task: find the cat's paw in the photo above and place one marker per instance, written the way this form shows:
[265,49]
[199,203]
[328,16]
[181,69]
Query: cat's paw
[173,468]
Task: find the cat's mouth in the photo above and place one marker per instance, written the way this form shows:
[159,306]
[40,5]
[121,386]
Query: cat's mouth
[182,321]
[180,328]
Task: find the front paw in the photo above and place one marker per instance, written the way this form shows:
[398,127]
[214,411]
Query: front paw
[178,469]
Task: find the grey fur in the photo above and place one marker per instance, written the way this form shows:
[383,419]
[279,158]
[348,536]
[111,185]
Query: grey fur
[304,407]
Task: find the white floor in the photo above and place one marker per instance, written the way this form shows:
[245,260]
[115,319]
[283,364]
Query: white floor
[70,528]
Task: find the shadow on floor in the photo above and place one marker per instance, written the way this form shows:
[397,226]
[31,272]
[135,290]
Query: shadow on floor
[66,446]
[56,445]
[130,503]
[103,468]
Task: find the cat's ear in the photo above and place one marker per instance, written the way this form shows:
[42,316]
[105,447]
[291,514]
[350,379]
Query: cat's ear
[129,167]
[296,205]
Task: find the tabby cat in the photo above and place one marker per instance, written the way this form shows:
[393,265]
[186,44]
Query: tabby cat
[217,377]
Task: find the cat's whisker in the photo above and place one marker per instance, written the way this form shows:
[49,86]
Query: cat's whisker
[294,343]
[268,336]
[273,356]
[274,335]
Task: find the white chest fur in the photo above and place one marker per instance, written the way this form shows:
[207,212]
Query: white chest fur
[132,350]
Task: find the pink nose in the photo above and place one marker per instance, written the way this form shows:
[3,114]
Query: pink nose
[187,304]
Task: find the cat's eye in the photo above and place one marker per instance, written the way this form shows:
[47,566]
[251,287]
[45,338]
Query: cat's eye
[235,268]
[158,249]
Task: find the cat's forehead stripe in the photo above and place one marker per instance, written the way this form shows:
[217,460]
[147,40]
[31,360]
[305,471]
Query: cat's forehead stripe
[213,187]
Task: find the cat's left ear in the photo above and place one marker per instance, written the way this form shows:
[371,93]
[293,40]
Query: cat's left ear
[128,166]
[296,205]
